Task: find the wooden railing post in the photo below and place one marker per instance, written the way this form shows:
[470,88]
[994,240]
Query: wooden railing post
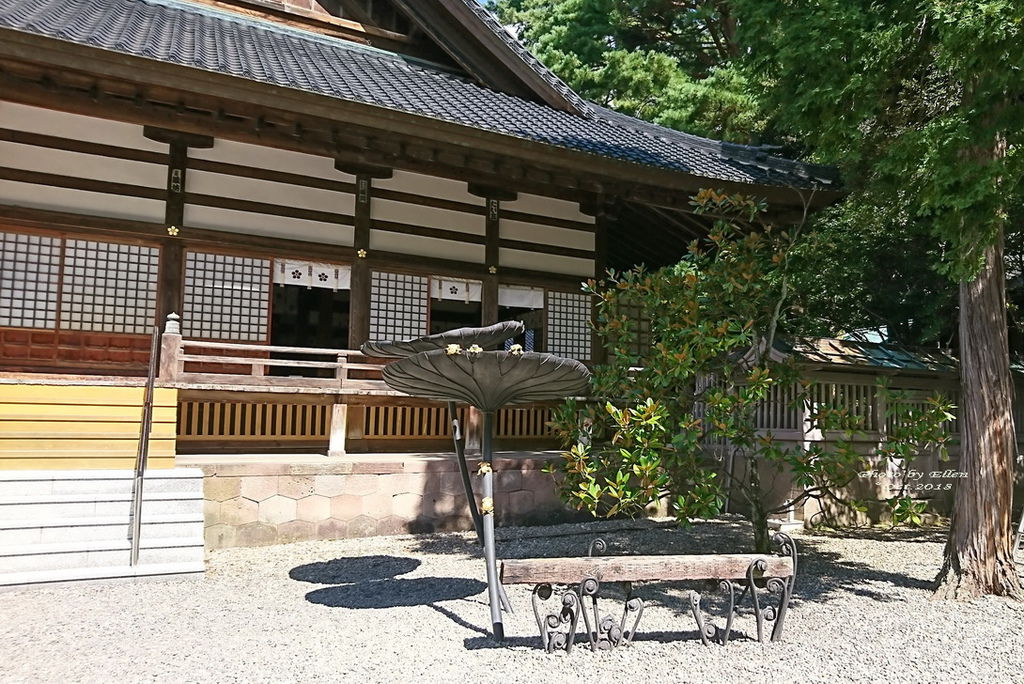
[171,365]
[341,373]
[339,430]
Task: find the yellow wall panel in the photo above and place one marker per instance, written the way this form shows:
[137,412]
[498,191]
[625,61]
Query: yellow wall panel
[82,426]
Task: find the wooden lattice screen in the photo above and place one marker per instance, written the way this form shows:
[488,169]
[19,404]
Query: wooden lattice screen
[252,421]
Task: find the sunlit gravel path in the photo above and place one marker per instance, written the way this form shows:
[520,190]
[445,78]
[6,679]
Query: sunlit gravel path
[412,608]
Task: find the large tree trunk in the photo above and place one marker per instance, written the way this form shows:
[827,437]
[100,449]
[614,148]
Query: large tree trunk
[979,554]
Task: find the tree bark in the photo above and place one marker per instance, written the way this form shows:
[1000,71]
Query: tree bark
[758,513]
[979,554]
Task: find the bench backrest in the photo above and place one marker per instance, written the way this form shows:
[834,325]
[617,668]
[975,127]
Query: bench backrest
[639,568]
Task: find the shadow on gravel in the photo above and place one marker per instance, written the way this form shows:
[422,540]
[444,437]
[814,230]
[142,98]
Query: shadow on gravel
[370,582]
[355,569]
[935,535]
[397,593]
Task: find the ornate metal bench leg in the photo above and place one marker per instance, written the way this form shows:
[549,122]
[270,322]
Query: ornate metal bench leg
[785,546]
[589,588]
[634,606]
[706,630]
[758,565]
[541,592]
[572,606]
[723,634]
[557,630]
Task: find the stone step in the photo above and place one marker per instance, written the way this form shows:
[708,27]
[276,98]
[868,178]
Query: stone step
[57,506]
[11,580]
[103,553]
[100,482]
[54,531]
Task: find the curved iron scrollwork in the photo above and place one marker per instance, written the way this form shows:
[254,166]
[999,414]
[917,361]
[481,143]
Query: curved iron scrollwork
[598,544]
[634,607]
[785,546]
[604,632]
[557,630]
[763,592]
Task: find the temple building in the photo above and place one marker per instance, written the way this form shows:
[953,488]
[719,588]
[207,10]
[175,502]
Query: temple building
[268,185]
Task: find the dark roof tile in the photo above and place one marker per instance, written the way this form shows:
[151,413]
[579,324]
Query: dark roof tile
[204,38]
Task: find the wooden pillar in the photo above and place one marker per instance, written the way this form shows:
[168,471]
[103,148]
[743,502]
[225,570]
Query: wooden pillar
[170,287]
[489,292]
[598,352]
[359,298]
[493,198]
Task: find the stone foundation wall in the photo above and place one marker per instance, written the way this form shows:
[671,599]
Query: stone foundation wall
[254,504]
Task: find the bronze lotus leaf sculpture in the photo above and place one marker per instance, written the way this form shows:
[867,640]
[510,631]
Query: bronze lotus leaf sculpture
[487,380]
[466,337]
[453,366]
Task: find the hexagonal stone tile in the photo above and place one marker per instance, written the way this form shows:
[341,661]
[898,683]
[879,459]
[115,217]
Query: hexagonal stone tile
[520,502]
[238,511]
[508,480]
[295,487]
[392,525]
[221,488]
[313,508]
[332,528]
[211,512]
[407,506]
[296,530]
[362,526]
[359,484]
[377,505]
[329,485]
[277,509]
[256,534]
[219,536]
[259,487]
[346,507]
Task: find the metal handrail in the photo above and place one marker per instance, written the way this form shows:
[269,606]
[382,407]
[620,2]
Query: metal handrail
[143,453]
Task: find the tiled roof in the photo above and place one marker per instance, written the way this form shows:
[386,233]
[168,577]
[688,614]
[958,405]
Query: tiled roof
[869,354]
[204,38]
[491,22]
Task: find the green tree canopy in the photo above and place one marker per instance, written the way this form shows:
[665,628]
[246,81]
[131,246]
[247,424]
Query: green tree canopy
[667,61]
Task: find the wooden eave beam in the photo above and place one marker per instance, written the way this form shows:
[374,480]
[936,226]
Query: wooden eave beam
[652,185]
[49,220]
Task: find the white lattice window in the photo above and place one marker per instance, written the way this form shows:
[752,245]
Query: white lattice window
[226,297]
[29,267]
[109,287]
[568,327]
[398,306]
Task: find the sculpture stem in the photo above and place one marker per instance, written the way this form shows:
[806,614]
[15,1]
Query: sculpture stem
[488,519]
[460,453]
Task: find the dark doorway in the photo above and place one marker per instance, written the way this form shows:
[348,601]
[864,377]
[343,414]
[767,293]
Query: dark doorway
[308,317]
[448,314]
[533,320]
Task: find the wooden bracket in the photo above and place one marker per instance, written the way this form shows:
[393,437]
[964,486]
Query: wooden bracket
[359,169]
[168,136]
[492,192]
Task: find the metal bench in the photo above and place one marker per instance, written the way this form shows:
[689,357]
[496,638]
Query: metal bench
[576,581]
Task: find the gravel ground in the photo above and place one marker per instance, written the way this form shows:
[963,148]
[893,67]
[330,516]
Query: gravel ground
[413,608]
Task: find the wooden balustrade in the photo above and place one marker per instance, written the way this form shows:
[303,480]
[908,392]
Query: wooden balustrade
[347,376]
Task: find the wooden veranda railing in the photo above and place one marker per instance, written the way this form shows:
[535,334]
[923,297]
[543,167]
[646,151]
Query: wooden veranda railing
[228,394]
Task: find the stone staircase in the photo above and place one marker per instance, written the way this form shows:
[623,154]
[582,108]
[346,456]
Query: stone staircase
[58,526]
